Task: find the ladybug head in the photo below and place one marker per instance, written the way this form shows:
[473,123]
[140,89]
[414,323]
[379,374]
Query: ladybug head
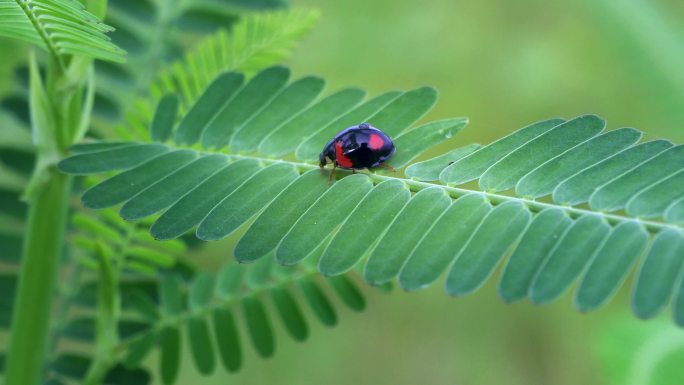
[328,153]
[322,159]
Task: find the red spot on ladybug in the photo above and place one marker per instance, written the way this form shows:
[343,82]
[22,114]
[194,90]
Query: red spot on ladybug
[342,159]
[358,147]
[375,142]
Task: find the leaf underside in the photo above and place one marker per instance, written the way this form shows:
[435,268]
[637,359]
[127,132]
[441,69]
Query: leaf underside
[566,200]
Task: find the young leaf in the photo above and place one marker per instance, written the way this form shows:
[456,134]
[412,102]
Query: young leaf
[62,27]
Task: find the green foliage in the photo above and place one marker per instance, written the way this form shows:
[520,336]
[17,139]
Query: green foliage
[411,229]
[132,247]
[257,41]
[260,41]
[210,302]
[61,27]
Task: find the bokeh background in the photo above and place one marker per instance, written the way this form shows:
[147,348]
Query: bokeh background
[504,64]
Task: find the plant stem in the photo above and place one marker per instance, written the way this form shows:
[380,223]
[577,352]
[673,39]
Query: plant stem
[108,311]
[43,244]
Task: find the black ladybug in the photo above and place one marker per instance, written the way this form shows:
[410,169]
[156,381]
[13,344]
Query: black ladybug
[357,147]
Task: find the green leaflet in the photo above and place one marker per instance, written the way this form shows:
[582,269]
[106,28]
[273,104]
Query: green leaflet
[403,111]
[409,227]
[71,365]
[443,242]
[288,102]
[169,363]
[245,201]
[151,256]
[258,326]
[498,231]
[610,266]
[227,339]
[124,186]
[414,142]
[139,350]
[616,194]
[289,312]
[95,146]
[248,100]
[207,106]
[261,273]
[201,345]
[658,274]
[509,170]
[318,302]
[171,296]
[167,191]
[143,305]
[653,201]
[195,205]
[569,258]
[430,169]
[368,220]
[471,167]
[201,291]
[348,292]
[531,253]
[164,118]
[331,209]
[579,188]
[111,159]
[542,180]
[265,233]
[285,138]
[229,281]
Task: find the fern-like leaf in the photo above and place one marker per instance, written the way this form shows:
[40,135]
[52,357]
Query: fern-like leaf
[157,35]
[257,41]
[62,27]
[209,302]
[606,198]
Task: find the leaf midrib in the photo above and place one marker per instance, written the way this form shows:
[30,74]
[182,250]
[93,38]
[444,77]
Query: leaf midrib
[495,199]
[216,303]
[42,32]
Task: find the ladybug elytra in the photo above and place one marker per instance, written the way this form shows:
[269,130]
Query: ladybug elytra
[357,147]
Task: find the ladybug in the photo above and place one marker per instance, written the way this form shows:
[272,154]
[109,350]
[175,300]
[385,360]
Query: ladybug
[357,147]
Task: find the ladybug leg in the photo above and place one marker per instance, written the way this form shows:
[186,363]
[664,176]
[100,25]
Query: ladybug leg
[387,166]
[332,173]
[353,171]
[322,170]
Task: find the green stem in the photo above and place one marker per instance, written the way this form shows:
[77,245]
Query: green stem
[108,311]
[43,245]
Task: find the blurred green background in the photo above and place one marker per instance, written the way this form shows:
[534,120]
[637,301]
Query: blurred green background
[504,64]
